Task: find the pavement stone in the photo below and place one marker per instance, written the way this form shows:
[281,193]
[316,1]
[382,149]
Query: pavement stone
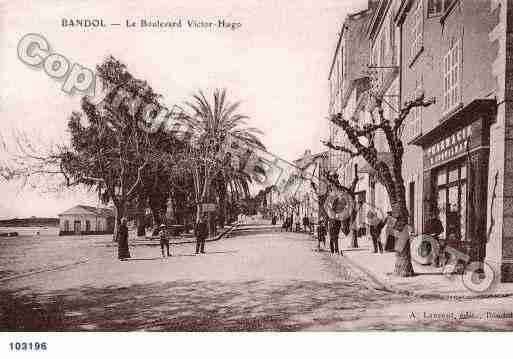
[257,279]
[429,281]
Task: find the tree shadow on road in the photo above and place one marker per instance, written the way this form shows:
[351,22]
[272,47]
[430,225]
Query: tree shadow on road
[188,306]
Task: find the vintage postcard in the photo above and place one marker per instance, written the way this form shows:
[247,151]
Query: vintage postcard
[249,166]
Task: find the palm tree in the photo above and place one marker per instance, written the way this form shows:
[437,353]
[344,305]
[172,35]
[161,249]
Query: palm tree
[213,124]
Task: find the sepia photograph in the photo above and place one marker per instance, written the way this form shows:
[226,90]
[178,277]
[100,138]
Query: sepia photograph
[255,166]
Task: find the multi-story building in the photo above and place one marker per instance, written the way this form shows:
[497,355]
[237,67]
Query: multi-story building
[384,42]
[374,73]
[350,61]
[458,52]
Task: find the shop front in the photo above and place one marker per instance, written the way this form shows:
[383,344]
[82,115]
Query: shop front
[456,155]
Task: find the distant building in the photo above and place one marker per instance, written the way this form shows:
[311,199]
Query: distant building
[86,220]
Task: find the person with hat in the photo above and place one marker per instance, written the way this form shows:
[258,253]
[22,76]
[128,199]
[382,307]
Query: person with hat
[321,233]
[375,226]
[201,233]
[390,241]
[164,240]
[123,251]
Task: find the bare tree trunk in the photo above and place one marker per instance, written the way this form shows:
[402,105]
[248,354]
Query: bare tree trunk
[141,218]
[155,212]
[117,223]
[403,265]
[119,216]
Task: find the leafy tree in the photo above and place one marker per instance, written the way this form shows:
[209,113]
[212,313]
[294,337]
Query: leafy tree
[214,123]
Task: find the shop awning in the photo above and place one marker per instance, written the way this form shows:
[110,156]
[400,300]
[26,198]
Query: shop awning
[458,119]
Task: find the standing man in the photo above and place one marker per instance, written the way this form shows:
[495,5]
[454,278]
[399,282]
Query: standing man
[376,225]
[164,240]
[321,233]
[123,251]
[201,233]
[390,242]
[434,228]
[334,228]
[306,223]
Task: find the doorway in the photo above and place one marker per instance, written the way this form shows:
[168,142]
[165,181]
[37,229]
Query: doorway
[77,227]
[451,182]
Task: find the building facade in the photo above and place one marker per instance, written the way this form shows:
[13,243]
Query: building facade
[350,62]
[457,51]
[86,220]
[458,161]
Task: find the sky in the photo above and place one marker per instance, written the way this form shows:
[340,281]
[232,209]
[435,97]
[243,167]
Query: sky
[277,63]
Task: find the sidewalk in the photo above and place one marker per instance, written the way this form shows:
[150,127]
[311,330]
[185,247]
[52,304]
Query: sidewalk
[429,282]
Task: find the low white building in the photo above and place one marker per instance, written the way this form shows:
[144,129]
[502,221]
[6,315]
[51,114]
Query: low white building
[86,220]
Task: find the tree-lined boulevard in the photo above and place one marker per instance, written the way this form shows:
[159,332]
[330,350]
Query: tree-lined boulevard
[258,278]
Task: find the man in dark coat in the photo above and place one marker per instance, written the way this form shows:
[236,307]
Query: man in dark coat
[390,243]
[434,228]
[321,233]
[201,233]
[334,228]
[306,223]
[123,251]
[164,240]
[376,225]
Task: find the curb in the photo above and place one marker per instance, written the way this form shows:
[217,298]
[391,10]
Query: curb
[50,269]
[379,285]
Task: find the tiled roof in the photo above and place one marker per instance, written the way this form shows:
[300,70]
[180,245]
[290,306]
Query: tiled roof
[104,212]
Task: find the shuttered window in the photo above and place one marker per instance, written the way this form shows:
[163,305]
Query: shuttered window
[417,30]
[451,74]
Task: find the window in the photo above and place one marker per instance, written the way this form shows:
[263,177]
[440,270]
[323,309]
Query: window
[452,67]
[374,57]
[338,83]
[413,126]
[66,226]
[416,124]
[344,64]
[88,226]
[417,31]
[382,50]
[438,7]
[441,178]
[392,42]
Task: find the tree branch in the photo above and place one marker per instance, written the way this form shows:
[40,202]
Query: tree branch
[408,106]
[340,148]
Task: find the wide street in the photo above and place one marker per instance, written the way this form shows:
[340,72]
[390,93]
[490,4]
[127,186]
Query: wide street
[256,279]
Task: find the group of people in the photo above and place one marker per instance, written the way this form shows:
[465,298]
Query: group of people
[200,232]
[332,227]
[288,224]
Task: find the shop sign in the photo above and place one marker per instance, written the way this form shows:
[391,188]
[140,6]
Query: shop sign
[450,147]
